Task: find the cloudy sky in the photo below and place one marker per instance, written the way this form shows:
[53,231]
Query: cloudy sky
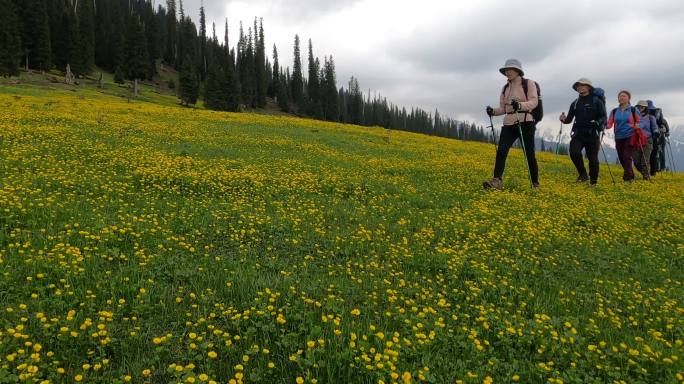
[446,54]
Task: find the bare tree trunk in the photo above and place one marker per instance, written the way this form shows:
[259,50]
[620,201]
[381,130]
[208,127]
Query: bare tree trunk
[69,77]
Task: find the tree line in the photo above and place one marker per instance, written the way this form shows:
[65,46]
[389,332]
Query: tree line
[132,39]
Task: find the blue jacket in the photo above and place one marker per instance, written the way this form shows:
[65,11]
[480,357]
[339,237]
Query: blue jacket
[649,125]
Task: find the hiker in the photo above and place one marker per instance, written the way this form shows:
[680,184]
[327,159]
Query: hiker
[517,105]
[624,119]
[589,113]
[658,159]
[642,153]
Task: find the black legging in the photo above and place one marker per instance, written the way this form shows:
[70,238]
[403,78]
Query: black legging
[591,144]
[509,134]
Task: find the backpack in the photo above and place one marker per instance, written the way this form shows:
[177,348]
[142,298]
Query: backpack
[638,139]
[538,112]
[599,95]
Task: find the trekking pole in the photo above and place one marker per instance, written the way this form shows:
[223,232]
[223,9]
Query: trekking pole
[672,160]
[491,125]
[606,158]
[560,136]
[522,143]
[644,163]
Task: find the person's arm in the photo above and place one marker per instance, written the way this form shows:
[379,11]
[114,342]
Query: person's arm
[602,118]
[611,120]
[532,97]
[637,118]
[502,103]
[655,132]
[667,127]
[571,113]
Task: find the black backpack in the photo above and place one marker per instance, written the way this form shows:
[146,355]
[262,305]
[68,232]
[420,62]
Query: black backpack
[538,112]
[598,96]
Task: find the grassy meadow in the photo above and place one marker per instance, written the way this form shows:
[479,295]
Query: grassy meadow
[144,242]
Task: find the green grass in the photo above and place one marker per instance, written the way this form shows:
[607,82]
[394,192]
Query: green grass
[160,223]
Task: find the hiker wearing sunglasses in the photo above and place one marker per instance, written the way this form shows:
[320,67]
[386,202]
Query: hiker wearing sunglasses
[517,101]
[589,113]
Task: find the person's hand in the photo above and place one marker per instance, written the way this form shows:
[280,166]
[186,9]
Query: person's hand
[490,111]
[562,117]
[515,104]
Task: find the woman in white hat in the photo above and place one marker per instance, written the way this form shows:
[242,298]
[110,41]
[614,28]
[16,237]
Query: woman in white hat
[516,104]
[589,113]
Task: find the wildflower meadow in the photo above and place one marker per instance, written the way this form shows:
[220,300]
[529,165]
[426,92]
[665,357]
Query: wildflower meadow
[144,242]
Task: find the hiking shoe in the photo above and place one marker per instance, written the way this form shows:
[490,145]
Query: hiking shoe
[535,185]
[494,183]
[581,179]
[592,185]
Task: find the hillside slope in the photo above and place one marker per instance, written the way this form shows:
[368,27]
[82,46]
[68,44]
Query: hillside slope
[146,242]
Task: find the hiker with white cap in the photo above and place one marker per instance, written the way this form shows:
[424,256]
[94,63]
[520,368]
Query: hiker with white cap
[589,113]
[518,101]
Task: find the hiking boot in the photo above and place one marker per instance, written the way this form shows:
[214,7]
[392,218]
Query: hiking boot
[592,185]
[581,179]
[494,183]
[535,185]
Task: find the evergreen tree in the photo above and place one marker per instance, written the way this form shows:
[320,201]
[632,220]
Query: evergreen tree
[188,82]
[282,93]
[260,75]
[151,30]
[66,51]
[245,68]
[35,33]
[297,78]
[233,91]
[329,90]
[313,86]
[203,44]
[355,102]
[85,60]
[171,33]
[275,81]
[136,59]
[216,88]
[10,40]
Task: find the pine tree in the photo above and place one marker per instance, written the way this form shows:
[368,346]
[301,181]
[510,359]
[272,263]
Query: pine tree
[260,65]
[245,68]
[151,31]
[136,60]
[85,60]
[188,82]
[203,44]
[356,104]
[171,33]
[66,51]
[313,86]
[216,88]
[275,82]
[35,33]
[282,94]
[10,40]
[297,78]
[329,89]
